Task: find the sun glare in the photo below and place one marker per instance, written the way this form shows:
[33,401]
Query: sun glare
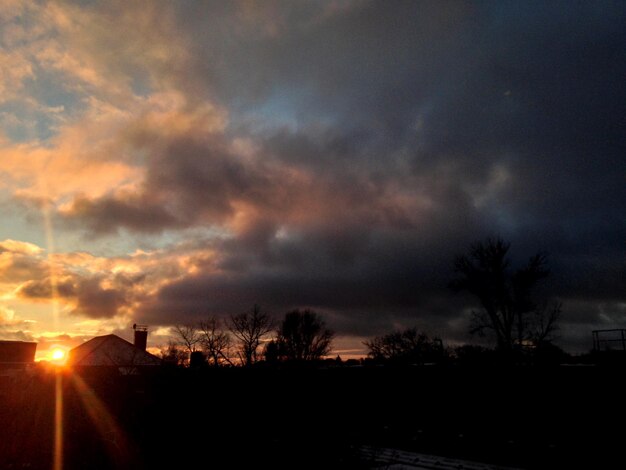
[57,356]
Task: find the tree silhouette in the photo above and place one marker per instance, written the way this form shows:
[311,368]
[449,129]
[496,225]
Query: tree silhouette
[303,336]
[188,337]
[271,353]
[215,342]
[407,346]
[509,309]
[249,328]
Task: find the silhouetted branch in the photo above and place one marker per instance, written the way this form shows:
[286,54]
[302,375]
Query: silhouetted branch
[188,337]
[249,328]
[407,346]
[215,342]
[303,336]
[506,298]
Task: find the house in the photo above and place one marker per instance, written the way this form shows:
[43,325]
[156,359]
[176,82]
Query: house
[112,351]
[16,356]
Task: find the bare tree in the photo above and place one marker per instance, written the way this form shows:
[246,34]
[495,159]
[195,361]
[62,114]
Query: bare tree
[188,337]
[509,309]
[544,323]
[303,336]
[249,328]
[407,346]
[215,342]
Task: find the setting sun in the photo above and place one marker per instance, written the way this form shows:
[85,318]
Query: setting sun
[58,355]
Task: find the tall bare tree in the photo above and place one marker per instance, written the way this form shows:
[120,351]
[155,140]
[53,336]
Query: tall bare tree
[188,336]
[543,324]
[303,336]
[215,342]
[506,297]
[249,328]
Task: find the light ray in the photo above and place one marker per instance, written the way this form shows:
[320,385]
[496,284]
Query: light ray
[110,432]
[50,254]
[58,421]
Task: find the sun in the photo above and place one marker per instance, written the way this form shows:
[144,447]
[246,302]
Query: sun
[58,356]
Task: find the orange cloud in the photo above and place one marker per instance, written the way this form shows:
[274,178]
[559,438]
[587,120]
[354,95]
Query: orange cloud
[91,286]
[36,172]
[102,152]
[99,52]
[103,47]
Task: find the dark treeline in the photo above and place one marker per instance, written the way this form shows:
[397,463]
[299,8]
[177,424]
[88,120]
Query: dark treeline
[522,325]
[249,338]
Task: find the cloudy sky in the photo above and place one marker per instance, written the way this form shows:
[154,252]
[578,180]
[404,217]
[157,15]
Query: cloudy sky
[161,161]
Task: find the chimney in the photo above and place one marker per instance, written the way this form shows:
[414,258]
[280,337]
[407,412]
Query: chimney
[141,336]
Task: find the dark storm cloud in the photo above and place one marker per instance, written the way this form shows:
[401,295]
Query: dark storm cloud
[366,282]
[96,301]
[42,289]
[106,215]
[388,136]
[94,296]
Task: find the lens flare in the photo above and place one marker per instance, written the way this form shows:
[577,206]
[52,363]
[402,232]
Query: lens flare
[53,274]
[58,422]
[112,434]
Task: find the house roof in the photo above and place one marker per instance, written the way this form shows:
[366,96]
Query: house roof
[17,351]
[110,350]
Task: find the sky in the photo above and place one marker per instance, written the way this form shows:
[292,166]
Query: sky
[164,161]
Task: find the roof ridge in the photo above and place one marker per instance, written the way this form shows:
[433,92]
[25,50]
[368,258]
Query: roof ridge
[98,345]
[90,352]
[105,339]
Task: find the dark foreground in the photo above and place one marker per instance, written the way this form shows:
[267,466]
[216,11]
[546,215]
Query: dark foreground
[561,417]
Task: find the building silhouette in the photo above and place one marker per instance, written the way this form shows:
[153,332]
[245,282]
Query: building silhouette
[16,355]
[111,351]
